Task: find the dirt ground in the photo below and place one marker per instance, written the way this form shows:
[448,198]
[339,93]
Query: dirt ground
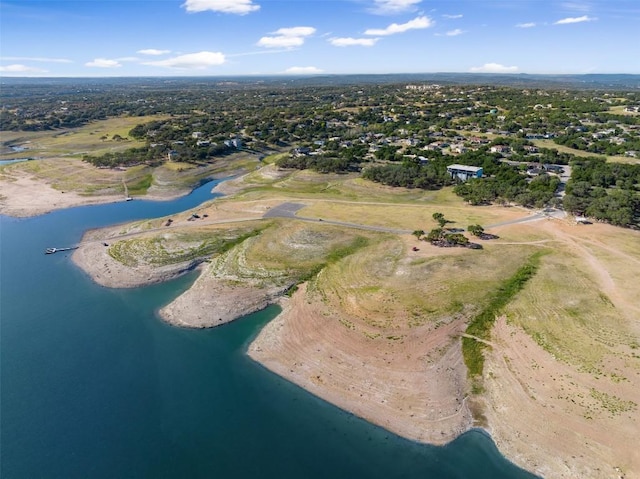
[27,196]
[414,387]
[551,417]
[535,406]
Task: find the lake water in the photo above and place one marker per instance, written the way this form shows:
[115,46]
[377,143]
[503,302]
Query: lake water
[94,385]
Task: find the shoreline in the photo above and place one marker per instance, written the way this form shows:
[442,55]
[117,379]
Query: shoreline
[417,390]
[27,197]
[415,386]
[323,357]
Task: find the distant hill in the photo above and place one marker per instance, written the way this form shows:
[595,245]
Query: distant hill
[590,81]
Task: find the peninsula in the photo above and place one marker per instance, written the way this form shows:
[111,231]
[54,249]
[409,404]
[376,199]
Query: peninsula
[424,299]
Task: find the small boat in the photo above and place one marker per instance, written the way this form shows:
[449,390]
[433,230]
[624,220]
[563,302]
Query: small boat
[128,198]
[50,251]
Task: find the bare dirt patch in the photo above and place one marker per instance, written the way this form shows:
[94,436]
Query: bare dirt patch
[414,386]
[26,196]
[549,418]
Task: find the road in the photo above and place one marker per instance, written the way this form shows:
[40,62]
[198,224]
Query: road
[289,210]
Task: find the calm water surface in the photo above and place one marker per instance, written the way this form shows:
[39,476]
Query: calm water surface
[94,385]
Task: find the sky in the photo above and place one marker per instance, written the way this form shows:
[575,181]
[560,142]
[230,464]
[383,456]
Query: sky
[95,38]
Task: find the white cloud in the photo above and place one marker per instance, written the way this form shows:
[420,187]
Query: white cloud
[127,59]
[526,25]
[452,17]
[454,33]
[576,6]
[415,24]
[153,51]
[191,61]
[568,20]
[280,42]
[349,42]
[286,37]
[103,63]
[391,7]
[493,68]
[295,32]
[18,68]
[239,7]
[38,59]
[303,71]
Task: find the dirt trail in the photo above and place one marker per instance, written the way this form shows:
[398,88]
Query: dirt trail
[607,284]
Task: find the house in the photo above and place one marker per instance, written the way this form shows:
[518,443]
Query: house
[301,151]
[235,143]
[464,172]
[459,149]
[500,149]
[553,168]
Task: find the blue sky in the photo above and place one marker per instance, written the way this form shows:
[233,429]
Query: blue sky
[97,38]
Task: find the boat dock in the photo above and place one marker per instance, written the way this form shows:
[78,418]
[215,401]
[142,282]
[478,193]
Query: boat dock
[58,250]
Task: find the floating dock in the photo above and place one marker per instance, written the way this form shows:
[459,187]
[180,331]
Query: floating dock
[58,250]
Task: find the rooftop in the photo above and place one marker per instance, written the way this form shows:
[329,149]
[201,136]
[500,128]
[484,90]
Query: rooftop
[475,169]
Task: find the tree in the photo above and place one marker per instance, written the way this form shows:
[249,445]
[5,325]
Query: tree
[475,230]
[439,217]
[435,234]
[418,233]
[457,238]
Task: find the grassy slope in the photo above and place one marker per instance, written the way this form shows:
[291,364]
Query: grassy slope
[376,278]
[61,162]
[78,141]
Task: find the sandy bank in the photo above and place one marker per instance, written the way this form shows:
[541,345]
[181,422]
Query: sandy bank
[212,301]
[29,197]
[209,302]
[415,387]
[543,417]
[93,258]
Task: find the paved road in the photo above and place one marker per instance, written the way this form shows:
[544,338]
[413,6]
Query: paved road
[289,210]
[544,214]
[284,210]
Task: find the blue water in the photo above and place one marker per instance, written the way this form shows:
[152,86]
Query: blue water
[94,385]
[15,160]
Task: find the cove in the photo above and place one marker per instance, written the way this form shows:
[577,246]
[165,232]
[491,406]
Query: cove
[95,385]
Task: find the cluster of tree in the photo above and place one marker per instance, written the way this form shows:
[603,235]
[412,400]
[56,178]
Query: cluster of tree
[130,157]
[507,185]
[604,191]
[154,156]
[431,176]
[320,163]
[443,238]
[603,146]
